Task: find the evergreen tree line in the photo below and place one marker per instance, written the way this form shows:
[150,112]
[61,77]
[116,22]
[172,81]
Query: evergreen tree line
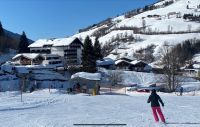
[23,44]
[191,17]
[90,54]
[7,42]
[3,40]
[186,51]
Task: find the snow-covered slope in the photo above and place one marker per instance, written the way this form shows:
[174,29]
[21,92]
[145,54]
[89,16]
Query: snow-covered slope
[162,21]
[151,24]
[44,109]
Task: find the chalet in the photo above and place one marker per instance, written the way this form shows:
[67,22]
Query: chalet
[28,59]
[140,66]
[158,69]
[154,16]
[174,14]
[47,60]
[192,70]
[86,82]
[122,64]
[70,49]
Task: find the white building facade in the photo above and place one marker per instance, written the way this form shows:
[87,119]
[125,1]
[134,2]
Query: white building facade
[69,49]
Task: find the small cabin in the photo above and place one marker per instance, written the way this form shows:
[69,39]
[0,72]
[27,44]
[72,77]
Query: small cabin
[122,64]
[139,66]
[192,70]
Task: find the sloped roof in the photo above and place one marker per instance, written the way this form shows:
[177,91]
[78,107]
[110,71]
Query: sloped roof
[119,61]
[196,58]
[136,62]
[53,42]
[27,55]
[127,58]
[88,76]
[196,66]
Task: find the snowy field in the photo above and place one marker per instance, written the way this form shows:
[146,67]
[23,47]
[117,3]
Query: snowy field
[55,109]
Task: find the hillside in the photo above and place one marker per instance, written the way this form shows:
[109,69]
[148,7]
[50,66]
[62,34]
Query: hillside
[9,45]
[171,21]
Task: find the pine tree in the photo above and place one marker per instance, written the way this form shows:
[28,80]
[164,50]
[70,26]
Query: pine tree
[88,57]
[3,44]
[97,50]
[1,30]
[23,44]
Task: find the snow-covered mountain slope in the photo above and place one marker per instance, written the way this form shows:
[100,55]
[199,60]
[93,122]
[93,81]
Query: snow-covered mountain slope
[163,23]
[166,16]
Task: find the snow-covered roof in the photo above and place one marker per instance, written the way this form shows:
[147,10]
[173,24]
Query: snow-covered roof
[196,58]
[136,62]
[63,41]
[196,66]
[119,61]
[27,55]
[88,76]
[105,61]
[156,65]
[53,42]
[124,56]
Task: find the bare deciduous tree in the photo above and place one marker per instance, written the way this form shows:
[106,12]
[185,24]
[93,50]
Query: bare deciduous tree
[170,67]
[115,77]
[189,27]
[143,24]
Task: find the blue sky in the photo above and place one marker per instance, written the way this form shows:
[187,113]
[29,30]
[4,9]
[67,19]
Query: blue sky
[60,18]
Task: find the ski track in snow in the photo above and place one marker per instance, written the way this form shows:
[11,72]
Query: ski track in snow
[44,109]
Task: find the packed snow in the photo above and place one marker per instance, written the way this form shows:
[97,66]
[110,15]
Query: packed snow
[56,109]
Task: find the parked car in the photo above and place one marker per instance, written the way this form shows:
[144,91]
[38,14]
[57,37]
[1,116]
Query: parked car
[134,88]
[145,90]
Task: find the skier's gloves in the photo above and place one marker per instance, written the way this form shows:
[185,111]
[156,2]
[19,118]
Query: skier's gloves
[163,104]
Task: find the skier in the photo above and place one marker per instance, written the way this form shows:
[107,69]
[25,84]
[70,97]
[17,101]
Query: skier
[154,98]
[181,91]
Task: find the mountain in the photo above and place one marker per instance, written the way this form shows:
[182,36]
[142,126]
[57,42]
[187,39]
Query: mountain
[15,35]
[9,45]
[12,39]
[167,21]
